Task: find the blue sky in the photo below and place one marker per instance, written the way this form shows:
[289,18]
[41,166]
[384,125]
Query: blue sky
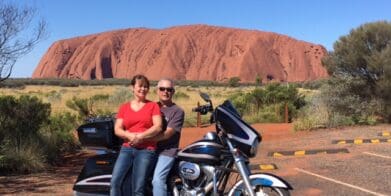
[317,21]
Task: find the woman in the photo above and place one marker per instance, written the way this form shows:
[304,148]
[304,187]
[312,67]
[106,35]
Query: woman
[137,121]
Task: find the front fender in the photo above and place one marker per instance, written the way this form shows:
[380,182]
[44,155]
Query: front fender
[264,179]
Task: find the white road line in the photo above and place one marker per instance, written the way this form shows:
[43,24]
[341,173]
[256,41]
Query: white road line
[378,155]
[339,182]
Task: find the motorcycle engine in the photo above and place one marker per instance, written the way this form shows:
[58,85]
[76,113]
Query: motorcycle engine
[194,176]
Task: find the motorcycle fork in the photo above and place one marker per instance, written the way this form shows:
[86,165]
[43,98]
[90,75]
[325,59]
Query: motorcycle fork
[240,163]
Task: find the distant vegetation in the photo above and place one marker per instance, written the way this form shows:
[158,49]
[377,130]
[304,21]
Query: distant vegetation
[268,104]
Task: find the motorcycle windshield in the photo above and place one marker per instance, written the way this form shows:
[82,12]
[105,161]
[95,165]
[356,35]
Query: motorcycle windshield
[229,121]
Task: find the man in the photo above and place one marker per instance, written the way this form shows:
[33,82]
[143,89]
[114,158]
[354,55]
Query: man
[168,140]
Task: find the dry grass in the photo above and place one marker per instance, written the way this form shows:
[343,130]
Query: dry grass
[57,96]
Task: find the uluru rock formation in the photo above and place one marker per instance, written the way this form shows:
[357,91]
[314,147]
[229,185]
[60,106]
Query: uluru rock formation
[194,52]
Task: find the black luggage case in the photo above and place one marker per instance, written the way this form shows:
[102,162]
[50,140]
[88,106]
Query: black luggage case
[98,133]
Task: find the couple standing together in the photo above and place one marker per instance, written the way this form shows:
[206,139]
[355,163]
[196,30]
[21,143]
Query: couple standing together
[149,130]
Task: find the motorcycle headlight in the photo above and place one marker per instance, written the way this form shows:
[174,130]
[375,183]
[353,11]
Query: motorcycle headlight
[254,148]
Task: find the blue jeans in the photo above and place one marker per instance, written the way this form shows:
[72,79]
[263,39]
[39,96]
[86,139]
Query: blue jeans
[132,165]
[162,169]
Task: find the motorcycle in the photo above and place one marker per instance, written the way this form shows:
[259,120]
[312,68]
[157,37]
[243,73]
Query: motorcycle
[205,167]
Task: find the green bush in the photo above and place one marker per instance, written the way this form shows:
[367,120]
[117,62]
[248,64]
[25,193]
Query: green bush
[57,135]
[180,95]
[234,82]
[268,104]
[29,137]
[54,96]
[120,95]
[338,97]
[20,143]
[314,115]
[21,118]
[191,120]
[28,157]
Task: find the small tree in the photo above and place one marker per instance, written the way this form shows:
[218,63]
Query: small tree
[17,37]
[258,80]
[234,81]
[361,61]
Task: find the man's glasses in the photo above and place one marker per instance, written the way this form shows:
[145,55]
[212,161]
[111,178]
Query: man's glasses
[168,89]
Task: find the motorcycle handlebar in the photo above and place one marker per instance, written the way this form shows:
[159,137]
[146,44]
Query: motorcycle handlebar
[203,109]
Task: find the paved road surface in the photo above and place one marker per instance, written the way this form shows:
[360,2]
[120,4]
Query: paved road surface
[365,170]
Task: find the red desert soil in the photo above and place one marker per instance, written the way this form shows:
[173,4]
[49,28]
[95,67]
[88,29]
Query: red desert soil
[59,180]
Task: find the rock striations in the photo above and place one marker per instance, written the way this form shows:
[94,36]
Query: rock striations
[194,52]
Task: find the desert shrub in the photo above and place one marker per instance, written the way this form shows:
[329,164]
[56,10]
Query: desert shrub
[314,115]
[268,103]
[338,97]
[81,106]
[180,95]
[89,107]
[334,106]
[58,136]
[265,115]
[191,120]
[9,84]
[234,82]
[54,96]
[20,144]
[120,95]
[21,117]
[28,157]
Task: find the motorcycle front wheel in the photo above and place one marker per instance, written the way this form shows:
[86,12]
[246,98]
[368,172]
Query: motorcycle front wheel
[262,191]
[262,184]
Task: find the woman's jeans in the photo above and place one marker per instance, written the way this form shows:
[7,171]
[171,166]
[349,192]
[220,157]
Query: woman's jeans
[133,166]
[162,169]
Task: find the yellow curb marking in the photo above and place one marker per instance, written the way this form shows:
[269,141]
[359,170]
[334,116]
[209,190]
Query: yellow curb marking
[276,154]
[385,133]
[266,167]
[342,142]
[300,153]
[375,141]
[358,141]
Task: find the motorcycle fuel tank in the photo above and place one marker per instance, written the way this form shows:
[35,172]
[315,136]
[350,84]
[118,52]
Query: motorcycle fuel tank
[202,151]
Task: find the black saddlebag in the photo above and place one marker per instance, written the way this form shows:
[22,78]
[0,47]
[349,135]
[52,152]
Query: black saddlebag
[94,179]
[98,133]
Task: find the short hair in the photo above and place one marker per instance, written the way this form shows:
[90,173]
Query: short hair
[166,79]
[143,80]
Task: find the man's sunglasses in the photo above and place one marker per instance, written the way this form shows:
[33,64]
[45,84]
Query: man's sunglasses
[168,89]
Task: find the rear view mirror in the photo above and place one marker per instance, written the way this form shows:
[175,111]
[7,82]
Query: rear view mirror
[205,97]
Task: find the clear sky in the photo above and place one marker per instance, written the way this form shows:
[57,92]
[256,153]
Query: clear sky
[317,21]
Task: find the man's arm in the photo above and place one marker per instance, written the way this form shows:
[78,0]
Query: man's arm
[175,123]
[165,134]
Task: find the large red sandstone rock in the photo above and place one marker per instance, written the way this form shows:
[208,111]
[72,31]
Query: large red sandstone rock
[195,52]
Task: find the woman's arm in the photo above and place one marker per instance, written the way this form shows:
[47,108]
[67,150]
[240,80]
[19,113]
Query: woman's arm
[152,131]
[121,132]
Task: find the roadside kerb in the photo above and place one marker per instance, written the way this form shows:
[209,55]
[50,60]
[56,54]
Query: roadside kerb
[362,141]
[307,152]
[263,166]
[384,134]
